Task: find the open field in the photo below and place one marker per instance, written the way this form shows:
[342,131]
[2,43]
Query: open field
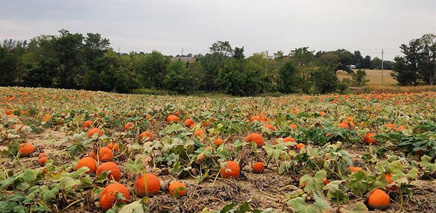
[374,76]
[323,153]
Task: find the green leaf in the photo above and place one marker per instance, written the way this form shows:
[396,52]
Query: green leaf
[358,208]
[135,207]
[299,205]
[357,182]
[29,175]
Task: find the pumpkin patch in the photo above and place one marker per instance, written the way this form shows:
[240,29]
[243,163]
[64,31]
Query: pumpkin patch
[309,153]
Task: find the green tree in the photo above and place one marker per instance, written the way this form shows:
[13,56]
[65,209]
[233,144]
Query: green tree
[376,63]
[324,79]
[240,77]
[239,53]
[359,78]
[289,78]
[42,74]
[68,52]
[7,66]
[178,78]
[428,64]
[366,64]
[406,69]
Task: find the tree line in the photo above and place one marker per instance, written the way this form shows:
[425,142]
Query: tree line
[76,61]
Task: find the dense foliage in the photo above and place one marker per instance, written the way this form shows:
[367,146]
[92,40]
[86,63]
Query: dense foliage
[76,61]
[419,62]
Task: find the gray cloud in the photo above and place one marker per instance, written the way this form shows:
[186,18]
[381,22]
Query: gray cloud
[258,25]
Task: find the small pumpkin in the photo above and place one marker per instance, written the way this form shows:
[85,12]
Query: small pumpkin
[41,155]
[87,124]
[287,139]
[147,135]
[218,142]
[153,185]
[390,125]
[293,126]
[368,138]
[128,125]
[343,125]
[114,170]
[255,118]
[270,127]
[172,119]
[25,149]
[88,162]
[199,132]
[230,170]
[108,195]
[93,131]
[300,146]
[105,154]
[255,138]
[42,161]
[354,169]
[258,167]
[189,122]
[113,146]
[178,187]
[378,199]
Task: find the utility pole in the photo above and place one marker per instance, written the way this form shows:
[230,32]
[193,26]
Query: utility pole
[266,68]
[182,51]
[382,66]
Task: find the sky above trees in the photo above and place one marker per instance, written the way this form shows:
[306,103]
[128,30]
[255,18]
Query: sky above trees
[258,25]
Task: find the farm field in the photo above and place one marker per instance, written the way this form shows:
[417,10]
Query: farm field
[83,151]
[374,77]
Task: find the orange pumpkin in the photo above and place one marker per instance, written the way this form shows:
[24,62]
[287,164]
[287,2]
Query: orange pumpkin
[199,132]
[153,185]
[368,138]
[128,125]
[189,122]
[255,118]
[105,154]
[108,195]
[42,161]
[300,146]
[231,169]
[354,169]
[25,149]
[88,162]
[293,126]
[258,167]
[87,124]
[18,127]
[390,125]
[113,146]
[400,128]
[92,155]
[178,187]
[91,132]
[378,199]
[218,142]
[287,139]
[172,119]
[114,170]
[343,125]
[270,127]
[147,135]
[41,155]
[255,138]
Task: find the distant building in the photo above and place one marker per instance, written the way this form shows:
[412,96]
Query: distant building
[185,59]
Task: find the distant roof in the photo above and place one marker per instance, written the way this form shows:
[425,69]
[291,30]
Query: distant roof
[184,59]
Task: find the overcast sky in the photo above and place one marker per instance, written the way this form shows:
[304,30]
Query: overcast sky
[258,25]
